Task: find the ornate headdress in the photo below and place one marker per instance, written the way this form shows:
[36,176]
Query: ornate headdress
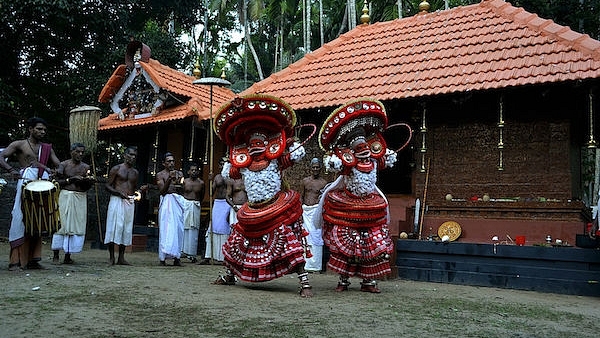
[244,116]
[360,119]
[366,113]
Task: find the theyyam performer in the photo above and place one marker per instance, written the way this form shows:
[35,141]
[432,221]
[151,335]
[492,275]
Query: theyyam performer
[266,243]
[353,211]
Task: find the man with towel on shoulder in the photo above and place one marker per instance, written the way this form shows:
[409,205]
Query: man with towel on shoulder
[37,161]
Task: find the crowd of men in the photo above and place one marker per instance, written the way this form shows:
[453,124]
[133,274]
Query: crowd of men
[179,207]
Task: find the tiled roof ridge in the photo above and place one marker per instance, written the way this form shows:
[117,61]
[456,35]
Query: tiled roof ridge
[581,42]
[108,91]
[151,67]
[154,68]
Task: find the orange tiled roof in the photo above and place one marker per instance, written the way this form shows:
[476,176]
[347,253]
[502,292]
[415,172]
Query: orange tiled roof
[170,80]
[488,45]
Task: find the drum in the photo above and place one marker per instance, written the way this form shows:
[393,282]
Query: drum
[40,208]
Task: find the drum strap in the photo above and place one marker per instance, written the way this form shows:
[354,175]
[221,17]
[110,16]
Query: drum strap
[45,149]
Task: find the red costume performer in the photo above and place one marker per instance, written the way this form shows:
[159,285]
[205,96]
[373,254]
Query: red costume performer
[354,211]
[267,241]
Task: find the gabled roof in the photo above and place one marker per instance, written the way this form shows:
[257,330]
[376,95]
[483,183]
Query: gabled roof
[176,82]
[484,46]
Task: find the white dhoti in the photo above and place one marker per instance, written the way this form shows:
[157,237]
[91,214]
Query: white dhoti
[314,240]
[170,225]
[73,218]
[191,227]
[119,221]
[218,230]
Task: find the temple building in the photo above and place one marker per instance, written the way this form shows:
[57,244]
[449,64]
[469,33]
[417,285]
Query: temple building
[503,105]
[159,109]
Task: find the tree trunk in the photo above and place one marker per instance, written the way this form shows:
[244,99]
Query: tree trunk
[321,22]
[308,11]
[344,22]
[249,41]
[255,56]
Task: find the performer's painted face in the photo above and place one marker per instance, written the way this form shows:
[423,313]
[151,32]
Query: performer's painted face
[361,148]
[257,144]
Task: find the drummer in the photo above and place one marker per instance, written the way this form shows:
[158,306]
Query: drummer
[75,180]
[37,161]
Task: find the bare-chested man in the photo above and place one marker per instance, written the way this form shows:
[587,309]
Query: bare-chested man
[193,192]
[236,197]
[219,228]
[170,211]
[121,184]
[37,161]
[75,180]
[312,187]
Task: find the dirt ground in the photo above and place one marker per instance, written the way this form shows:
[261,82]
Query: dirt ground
[93,299]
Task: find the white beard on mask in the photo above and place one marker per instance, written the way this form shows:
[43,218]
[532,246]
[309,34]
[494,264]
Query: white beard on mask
[262,185]
[361,184]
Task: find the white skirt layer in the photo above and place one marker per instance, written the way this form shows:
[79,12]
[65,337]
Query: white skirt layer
[191,214]
[190,242]
[119,221]
[191,224]
[315,236]
[315,263]
[170,223]
[68,243]
[214,248]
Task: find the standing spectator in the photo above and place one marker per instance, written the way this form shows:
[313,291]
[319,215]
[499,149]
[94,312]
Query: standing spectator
[75,180]
[37,161]
[170,211]
[193,192]
[236,197]
[121,184]
[219,228]
[311,189]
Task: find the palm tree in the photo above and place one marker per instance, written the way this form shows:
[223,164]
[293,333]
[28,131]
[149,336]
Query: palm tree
[248,10]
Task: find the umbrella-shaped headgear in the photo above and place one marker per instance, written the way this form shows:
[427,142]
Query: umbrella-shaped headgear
[241,118]
[368,114]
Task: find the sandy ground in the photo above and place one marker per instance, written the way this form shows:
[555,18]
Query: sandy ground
[94,299]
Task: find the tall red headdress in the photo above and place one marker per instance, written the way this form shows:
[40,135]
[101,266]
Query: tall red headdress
[367,114]
[242,117]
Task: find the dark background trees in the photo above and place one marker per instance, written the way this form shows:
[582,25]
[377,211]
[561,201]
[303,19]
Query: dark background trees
[57,55]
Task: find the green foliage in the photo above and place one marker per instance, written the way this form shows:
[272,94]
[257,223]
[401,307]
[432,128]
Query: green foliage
[57,55]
